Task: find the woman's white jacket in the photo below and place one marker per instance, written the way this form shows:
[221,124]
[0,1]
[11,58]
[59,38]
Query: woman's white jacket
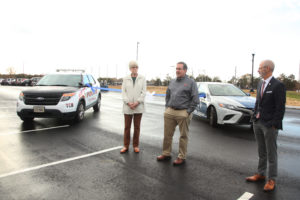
[133,93]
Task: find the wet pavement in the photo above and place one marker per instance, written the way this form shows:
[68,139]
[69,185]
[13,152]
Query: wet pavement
[55,159]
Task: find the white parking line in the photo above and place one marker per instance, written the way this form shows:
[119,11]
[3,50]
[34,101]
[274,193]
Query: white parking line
[58,162]
[35,130]
[8,116]
[246,196]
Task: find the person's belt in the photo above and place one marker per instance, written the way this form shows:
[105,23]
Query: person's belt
[177,108]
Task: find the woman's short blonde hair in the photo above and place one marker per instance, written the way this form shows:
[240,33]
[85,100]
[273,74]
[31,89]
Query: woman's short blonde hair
[133,64]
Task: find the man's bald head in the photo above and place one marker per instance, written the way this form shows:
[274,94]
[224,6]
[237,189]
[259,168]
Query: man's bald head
[268,63]
[266,68]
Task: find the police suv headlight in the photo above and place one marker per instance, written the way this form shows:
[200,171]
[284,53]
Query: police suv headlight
[67,96]
[21,96]
[228,106]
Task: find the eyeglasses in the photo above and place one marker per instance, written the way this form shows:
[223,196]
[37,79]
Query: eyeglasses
[179,68]
[134,67]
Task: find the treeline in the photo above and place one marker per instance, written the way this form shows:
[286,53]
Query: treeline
[243,82]
[165,82]
[4,76]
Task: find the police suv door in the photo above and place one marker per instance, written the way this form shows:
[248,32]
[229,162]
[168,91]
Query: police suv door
[95,89]
[87,90]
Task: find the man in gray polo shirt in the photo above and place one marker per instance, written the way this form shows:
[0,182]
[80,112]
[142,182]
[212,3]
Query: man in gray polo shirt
[181,100]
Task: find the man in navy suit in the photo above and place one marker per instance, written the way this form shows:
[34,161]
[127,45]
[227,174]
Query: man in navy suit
[268,114]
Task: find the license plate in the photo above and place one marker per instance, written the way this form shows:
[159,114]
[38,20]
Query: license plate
[38,109]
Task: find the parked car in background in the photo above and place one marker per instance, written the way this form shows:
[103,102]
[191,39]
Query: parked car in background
[35,80]
[224,103]
[25,82]
[7,81]
[11,80]
[104,86]
[4,82]
[17,81]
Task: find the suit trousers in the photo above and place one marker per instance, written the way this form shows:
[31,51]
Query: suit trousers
[266,139]
[173,118]
[136,133]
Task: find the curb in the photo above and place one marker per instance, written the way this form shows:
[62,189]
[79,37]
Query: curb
[293,107]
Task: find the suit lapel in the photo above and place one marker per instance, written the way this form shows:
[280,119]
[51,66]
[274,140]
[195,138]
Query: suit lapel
[267,87]
[260,90]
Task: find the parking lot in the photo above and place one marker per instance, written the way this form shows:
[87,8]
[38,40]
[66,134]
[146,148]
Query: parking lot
[54,159]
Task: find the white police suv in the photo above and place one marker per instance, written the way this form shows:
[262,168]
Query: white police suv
[224,103]
[66,94]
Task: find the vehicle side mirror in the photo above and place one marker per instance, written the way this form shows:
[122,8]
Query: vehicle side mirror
[81,84]
[202,95]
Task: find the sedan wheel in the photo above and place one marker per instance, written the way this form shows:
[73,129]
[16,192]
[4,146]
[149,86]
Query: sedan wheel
[213,117]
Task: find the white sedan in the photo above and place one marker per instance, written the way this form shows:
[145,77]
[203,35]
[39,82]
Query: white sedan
[224,103]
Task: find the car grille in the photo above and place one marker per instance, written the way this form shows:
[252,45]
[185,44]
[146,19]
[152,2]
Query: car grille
[247,113]
[245,120]
[245,110]
[42,99]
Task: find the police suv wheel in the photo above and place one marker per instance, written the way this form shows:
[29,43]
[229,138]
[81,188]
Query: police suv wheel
[80,112]
[97,106]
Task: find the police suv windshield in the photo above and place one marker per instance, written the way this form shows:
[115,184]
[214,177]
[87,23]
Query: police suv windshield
[225,90]
[60,80]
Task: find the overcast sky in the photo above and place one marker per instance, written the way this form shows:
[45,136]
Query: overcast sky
[212,37]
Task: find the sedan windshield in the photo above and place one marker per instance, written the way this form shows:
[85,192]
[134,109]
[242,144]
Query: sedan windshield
[60,80]
[225,90]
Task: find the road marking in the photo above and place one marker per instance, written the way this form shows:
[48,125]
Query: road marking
[8,116]
[58,162]
[35,130]
[245,196]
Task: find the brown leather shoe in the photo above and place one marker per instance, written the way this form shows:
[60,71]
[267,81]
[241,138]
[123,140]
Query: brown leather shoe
[255,178]
[124,150]
[179,161]
[162,158]
[269,186]
[136,149]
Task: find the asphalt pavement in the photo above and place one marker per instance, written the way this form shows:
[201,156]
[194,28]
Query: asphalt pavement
[55,159]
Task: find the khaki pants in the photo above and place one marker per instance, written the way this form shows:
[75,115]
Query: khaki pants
[172,119]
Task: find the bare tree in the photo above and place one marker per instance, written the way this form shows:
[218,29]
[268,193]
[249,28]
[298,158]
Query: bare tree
[11,71]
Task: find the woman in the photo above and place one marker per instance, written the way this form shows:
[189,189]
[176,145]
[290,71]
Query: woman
[133,94]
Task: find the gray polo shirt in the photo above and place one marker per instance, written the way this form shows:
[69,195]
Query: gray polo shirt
[182,93]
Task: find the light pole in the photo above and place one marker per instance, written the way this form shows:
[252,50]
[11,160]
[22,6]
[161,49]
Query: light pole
[234,82]
[252,90]
[137,50]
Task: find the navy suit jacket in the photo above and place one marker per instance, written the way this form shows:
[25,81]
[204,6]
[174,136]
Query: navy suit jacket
[272,104]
